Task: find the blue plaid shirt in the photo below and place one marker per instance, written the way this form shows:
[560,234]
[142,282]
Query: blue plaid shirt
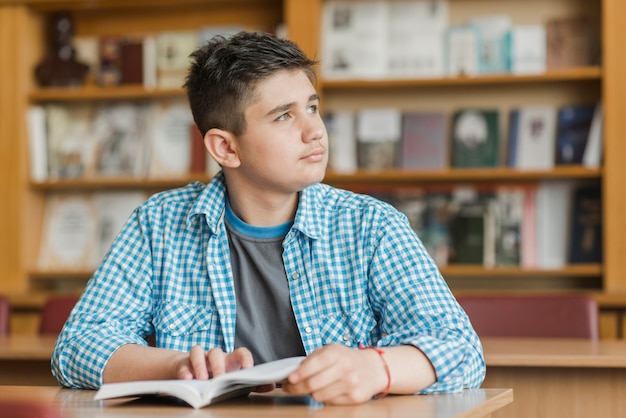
[357,274]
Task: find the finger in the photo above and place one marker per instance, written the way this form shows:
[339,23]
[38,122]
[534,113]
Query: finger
[216,360]
[240,358]
[198,363]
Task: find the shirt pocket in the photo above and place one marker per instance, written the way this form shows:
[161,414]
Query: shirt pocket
[349,328]
[181,320]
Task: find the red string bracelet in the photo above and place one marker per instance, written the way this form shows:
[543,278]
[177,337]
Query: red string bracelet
[380,352]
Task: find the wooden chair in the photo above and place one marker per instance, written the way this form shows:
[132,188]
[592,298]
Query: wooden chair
[54,314]
[538,316]
[5,316]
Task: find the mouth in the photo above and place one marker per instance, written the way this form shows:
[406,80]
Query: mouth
[315,155]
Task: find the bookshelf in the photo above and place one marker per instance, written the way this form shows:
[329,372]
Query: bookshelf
[24,20]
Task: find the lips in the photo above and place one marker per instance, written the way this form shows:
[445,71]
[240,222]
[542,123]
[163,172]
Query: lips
[315,155]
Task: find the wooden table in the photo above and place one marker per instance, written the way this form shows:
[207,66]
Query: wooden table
[25,360]
[80,403]
[558,378]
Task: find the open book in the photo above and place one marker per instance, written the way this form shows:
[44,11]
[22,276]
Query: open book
[199,393]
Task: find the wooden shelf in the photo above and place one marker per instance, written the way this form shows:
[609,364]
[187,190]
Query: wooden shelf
[101,93]
[89,93]
[573,74]
[386,177]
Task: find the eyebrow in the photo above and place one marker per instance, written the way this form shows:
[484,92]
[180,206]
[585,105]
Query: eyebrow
[284,107]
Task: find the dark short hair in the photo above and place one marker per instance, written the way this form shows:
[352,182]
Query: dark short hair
[225,72]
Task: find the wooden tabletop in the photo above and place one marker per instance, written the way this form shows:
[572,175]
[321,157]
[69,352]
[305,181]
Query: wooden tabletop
[80,403]
[542,352]
[26,347]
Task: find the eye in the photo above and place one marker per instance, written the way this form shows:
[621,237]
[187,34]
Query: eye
[312,109]
[283,117]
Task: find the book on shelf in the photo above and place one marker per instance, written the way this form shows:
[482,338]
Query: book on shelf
[170,140]
[586,226]
[131,60]
[475,138]
[201,393]
[354,39]
[37,143]
[570,42]
[493,48]
[416,38]
[592,157]
[79,228]
[173,50]
[573,127]
[379,131]
[462,50]
[70,140]
[553,209]
[69,233]
[425,141]
[507,215]
[122,136]
[529,228]
[340,126]
[532,132]
[527,49]
[428,215]
[112,211]
[467,234]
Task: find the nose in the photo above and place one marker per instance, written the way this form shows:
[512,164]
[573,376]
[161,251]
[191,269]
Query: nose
[313,129]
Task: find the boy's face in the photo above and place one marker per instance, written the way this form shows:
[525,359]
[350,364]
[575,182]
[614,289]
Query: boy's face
[285,146]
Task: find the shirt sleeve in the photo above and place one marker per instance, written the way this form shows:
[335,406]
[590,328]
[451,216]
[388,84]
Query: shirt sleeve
[417,308]
[113,310]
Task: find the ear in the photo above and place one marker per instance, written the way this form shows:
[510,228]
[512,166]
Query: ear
[222,146]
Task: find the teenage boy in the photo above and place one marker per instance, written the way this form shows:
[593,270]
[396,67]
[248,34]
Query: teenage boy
[264,262]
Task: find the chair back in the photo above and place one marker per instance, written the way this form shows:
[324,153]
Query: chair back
[540,316]
[55,312]
[5,316]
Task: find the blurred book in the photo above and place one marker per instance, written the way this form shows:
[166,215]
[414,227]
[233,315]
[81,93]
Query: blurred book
[425,140]
[532,132]
[36,121]
[573,127]
[475,138]
[340,126]
[170,140]
[493,45]
[592,157]
[122,137]
[354,39]
[586,226]
[69,233]
[570,42]
[553,212]
[462,50]
[173,50]
[379,131]
[416,38]
[527,49]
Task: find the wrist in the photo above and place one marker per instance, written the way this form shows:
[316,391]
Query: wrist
[381,355]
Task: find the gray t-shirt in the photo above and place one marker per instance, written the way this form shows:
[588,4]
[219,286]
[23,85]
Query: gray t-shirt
[265,321]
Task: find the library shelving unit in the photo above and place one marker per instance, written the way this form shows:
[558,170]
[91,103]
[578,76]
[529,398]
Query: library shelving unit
[21,47]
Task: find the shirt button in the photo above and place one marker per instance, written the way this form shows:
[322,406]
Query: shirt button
[346,337]
[308,330]
[172,327]
[295,276]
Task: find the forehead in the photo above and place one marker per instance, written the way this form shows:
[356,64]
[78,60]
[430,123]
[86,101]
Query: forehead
[290,86]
